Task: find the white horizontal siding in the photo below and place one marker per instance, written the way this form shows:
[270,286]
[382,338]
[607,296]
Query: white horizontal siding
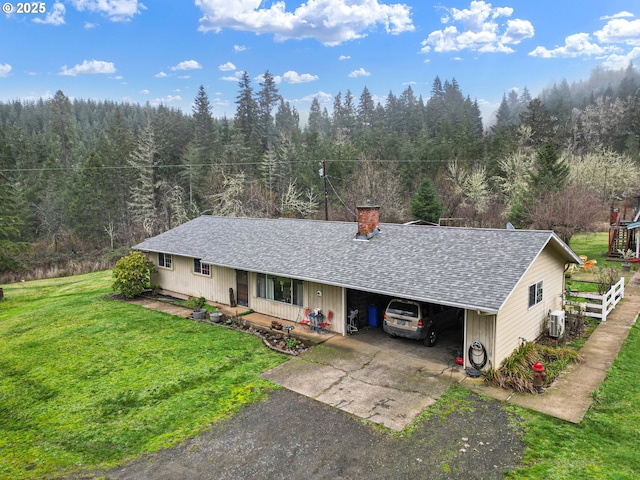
[181,279]
[516,321]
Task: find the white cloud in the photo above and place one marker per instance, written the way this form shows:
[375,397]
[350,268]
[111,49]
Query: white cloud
[161,75]
[217,102]
[54,17]
[622,14]
[323,98]
[239,48]
[227,67]
[502,12]
[116,10]
[89,25]
[232,78]
[620,30]
[5,70]
[344,57]
[187,65]
[167,99]
[145,92]
[330,21]
[476,29]
[361,72]
[578,44]
[607,43]
[295,77]
[619,62]
[89,67]
[517,30]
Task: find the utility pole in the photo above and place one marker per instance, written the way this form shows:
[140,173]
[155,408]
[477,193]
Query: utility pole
[323,174]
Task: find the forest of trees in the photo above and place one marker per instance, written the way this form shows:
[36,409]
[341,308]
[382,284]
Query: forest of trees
[89,176]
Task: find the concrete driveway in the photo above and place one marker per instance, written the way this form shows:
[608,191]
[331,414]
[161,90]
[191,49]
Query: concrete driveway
[385,380]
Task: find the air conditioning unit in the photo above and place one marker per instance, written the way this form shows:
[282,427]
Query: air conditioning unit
[556,323]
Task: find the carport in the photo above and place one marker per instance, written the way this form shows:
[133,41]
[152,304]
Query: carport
[371,307]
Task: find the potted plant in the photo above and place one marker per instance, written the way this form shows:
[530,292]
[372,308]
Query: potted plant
[626,255]
[198,307]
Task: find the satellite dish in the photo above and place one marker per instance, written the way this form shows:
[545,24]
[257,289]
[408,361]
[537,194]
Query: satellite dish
[509,226]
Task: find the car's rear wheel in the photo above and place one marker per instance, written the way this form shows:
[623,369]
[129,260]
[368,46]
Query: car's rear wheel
[431,338]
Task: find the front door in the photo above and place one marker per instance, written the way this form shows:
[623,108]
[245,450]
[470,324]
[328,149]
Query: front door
[242,287]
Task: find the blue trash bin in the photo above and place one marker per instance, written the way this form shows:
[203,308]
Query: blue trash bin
[372,310]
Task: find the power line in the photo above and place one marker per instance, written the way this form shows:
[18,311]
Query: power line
[212,165]
[340,199]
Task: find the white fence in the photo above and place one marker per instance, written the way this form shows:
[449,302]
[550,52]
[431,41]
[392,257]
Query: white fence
[596,305]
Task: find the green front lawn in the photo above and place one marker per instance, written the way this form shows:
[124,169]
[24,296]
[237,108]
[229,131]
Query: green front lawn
[88,381]
[605,444]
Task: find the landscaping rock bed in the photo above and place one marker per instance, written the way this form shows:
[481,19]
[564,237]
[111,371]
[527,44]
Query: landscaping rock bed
[280,342]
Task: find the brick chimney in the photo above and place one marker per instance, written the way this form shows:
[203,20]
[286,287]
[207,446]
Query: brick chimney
[368,220]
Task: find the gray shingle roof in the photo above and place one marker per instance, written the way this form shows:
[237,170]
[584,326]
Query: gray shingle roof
[464,267]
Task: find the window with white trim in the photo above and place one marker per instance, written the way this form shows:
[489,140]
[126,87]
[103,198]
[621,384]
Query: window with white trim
[201,268]
[535,294]
[279,289]
[165,260]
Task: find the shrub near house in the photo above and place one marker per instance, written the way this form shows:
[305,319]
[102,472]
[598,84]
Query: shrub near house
[132,274]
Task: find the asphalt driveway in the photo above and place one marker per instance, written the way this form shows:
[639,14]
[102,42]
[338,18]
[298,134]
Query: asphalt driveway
[385,380]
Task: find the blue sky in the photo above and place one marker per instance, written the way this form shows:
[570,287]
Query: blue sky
[161,51]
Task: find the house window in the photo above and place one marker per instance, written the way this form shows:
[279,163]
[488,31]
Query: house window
[165,260]
[200,268]
[535,294]
[279,289]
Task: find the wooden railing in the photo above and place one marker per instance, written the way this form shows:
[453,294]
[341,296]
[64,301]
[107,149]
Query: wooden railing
[596,305]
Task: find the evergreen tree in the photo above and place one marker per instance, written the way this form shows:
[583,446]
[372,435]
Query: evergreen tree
[349,114]
[204,126]
[268,98]
[93,204]
[365,110]
[287,120]
[10,225]
[551,171]
[63,122]
[314,124]
[246,118]
[435,109]
[503,115]
[425,204]
[537,118]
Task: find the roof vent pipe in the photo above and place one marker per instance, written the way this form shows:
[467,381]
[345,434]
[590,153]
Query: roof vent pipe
[368,221]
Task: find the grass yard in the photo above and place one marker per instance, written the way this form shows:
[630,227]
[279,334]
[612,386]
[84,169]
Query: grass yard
[87,381]
[593,245]
[605,444]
